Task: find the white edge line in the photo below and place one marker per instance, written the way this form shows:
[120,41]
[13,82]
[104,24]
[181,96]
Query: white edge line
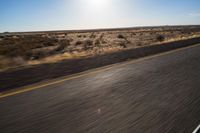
[197,129]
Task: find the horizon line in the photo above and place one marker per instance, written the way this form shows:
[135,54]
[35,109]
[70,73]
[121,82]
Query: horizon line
[100,29]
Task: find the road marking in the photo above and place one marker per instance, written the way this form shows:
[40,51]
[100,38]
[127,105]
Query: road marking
[197,130]
[86,73]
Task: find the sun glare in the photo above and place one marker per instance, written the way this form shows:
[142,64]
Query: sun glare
[98,3]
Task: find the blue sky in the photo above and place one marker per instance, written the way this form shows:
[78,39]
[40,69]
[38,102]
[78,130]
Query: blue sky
[34,15]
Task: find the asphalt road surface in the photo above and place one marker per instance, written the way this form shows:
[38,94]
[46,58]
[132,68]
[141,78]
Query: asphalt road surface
[155,95]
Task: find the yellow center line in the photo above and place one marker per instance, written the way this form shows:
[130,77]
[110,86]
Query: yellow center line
[82,74]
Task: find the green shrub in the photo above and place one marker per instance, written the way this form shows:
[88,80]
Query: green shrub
[123,45]
[120,36]
[160,38]
[92,35]
[97,42]
[62,45]
[79,36]
[88,44]
[78,43]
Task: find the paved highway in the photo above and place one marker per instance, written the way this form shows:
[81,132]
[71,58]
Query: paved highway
[159,94]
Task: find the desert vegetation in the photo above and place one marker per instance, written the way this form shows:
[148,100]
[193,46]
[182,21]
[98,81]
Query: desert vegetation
[19,49]
[160,38]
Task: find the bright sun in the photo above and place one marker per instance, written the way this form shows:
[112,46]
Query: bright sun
[98,3]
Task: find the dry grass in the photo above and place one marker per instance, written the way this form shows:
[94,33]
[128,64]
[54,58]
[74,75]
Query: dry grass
[29,49]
